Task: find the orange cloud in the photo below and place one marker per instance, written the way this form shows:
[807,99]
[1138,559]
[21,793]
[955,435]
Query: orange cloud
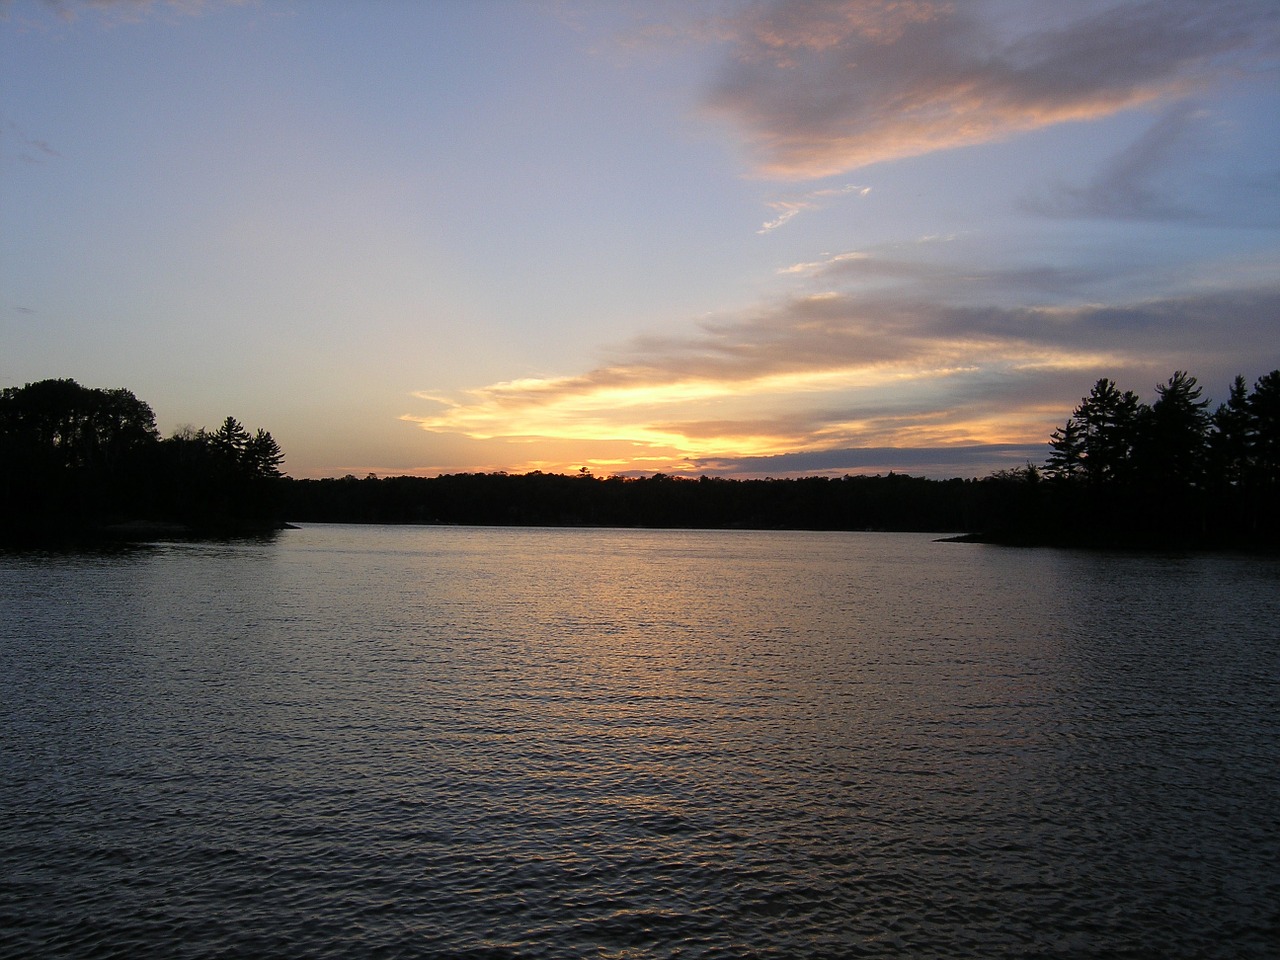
[824,88]
[834,372]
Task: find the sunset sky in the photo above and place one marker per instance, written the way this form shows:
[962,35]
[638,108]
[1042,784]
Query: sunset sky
[733,238]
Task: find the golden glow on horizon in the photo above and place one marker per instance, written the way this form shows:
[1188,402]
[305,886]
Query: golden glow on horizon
[704,418]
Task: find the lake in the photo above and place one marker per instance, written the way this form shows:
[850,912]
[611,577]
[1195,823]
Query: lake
[496,742]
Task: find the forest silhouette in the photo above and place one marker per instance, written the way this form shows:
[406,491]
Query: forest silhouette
[84,462]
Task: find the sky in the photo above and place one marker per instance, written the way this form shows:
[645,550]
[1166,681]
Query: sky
[725,238]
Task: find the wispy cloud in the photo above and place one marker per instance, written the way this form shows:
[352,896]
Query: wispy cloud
[29,149]
[820,88]
[827,263]
[899,268]
[69,10]
[787,208]
[1126,187]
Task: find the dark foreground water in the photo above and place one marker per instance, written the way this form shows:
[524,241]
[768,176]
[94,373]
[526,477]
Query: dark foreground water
[451,742]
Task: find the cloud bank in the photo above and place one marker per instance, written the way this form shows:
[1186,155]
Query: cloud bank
[835,373]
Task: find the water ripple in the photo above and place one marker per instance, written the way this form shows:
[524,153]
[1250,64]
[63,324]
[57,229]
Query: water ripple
[516,744]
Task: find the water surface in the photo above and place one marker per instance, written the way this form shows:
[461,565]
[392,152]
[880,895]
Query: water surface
[460,742]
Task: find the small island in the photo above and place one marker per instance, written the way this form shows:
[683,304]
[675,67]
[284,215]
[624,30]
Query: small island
[83,463]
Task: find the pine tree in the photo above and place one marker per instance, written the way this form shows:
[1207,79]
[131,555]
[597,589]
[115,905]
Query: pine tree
[262,456]
[1066,462]
[1232,438]
[1174,436]
[1264,411]
[1109,421]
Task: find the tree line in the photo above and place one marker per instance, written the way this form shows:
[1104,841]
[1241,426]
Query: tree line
[1174,470]
[1113,438]
[1120,471]
[80,460]
[892,502]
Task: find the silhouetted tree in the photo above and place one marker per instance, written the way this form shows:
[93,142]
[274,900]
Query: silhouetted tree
[75,426]
[231,440]
[69,453]
[1232,438]
[263,457]
[1066,461]
[1110,420]
[1171,472]
[1174,440]
[74,459]
[1264,413]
